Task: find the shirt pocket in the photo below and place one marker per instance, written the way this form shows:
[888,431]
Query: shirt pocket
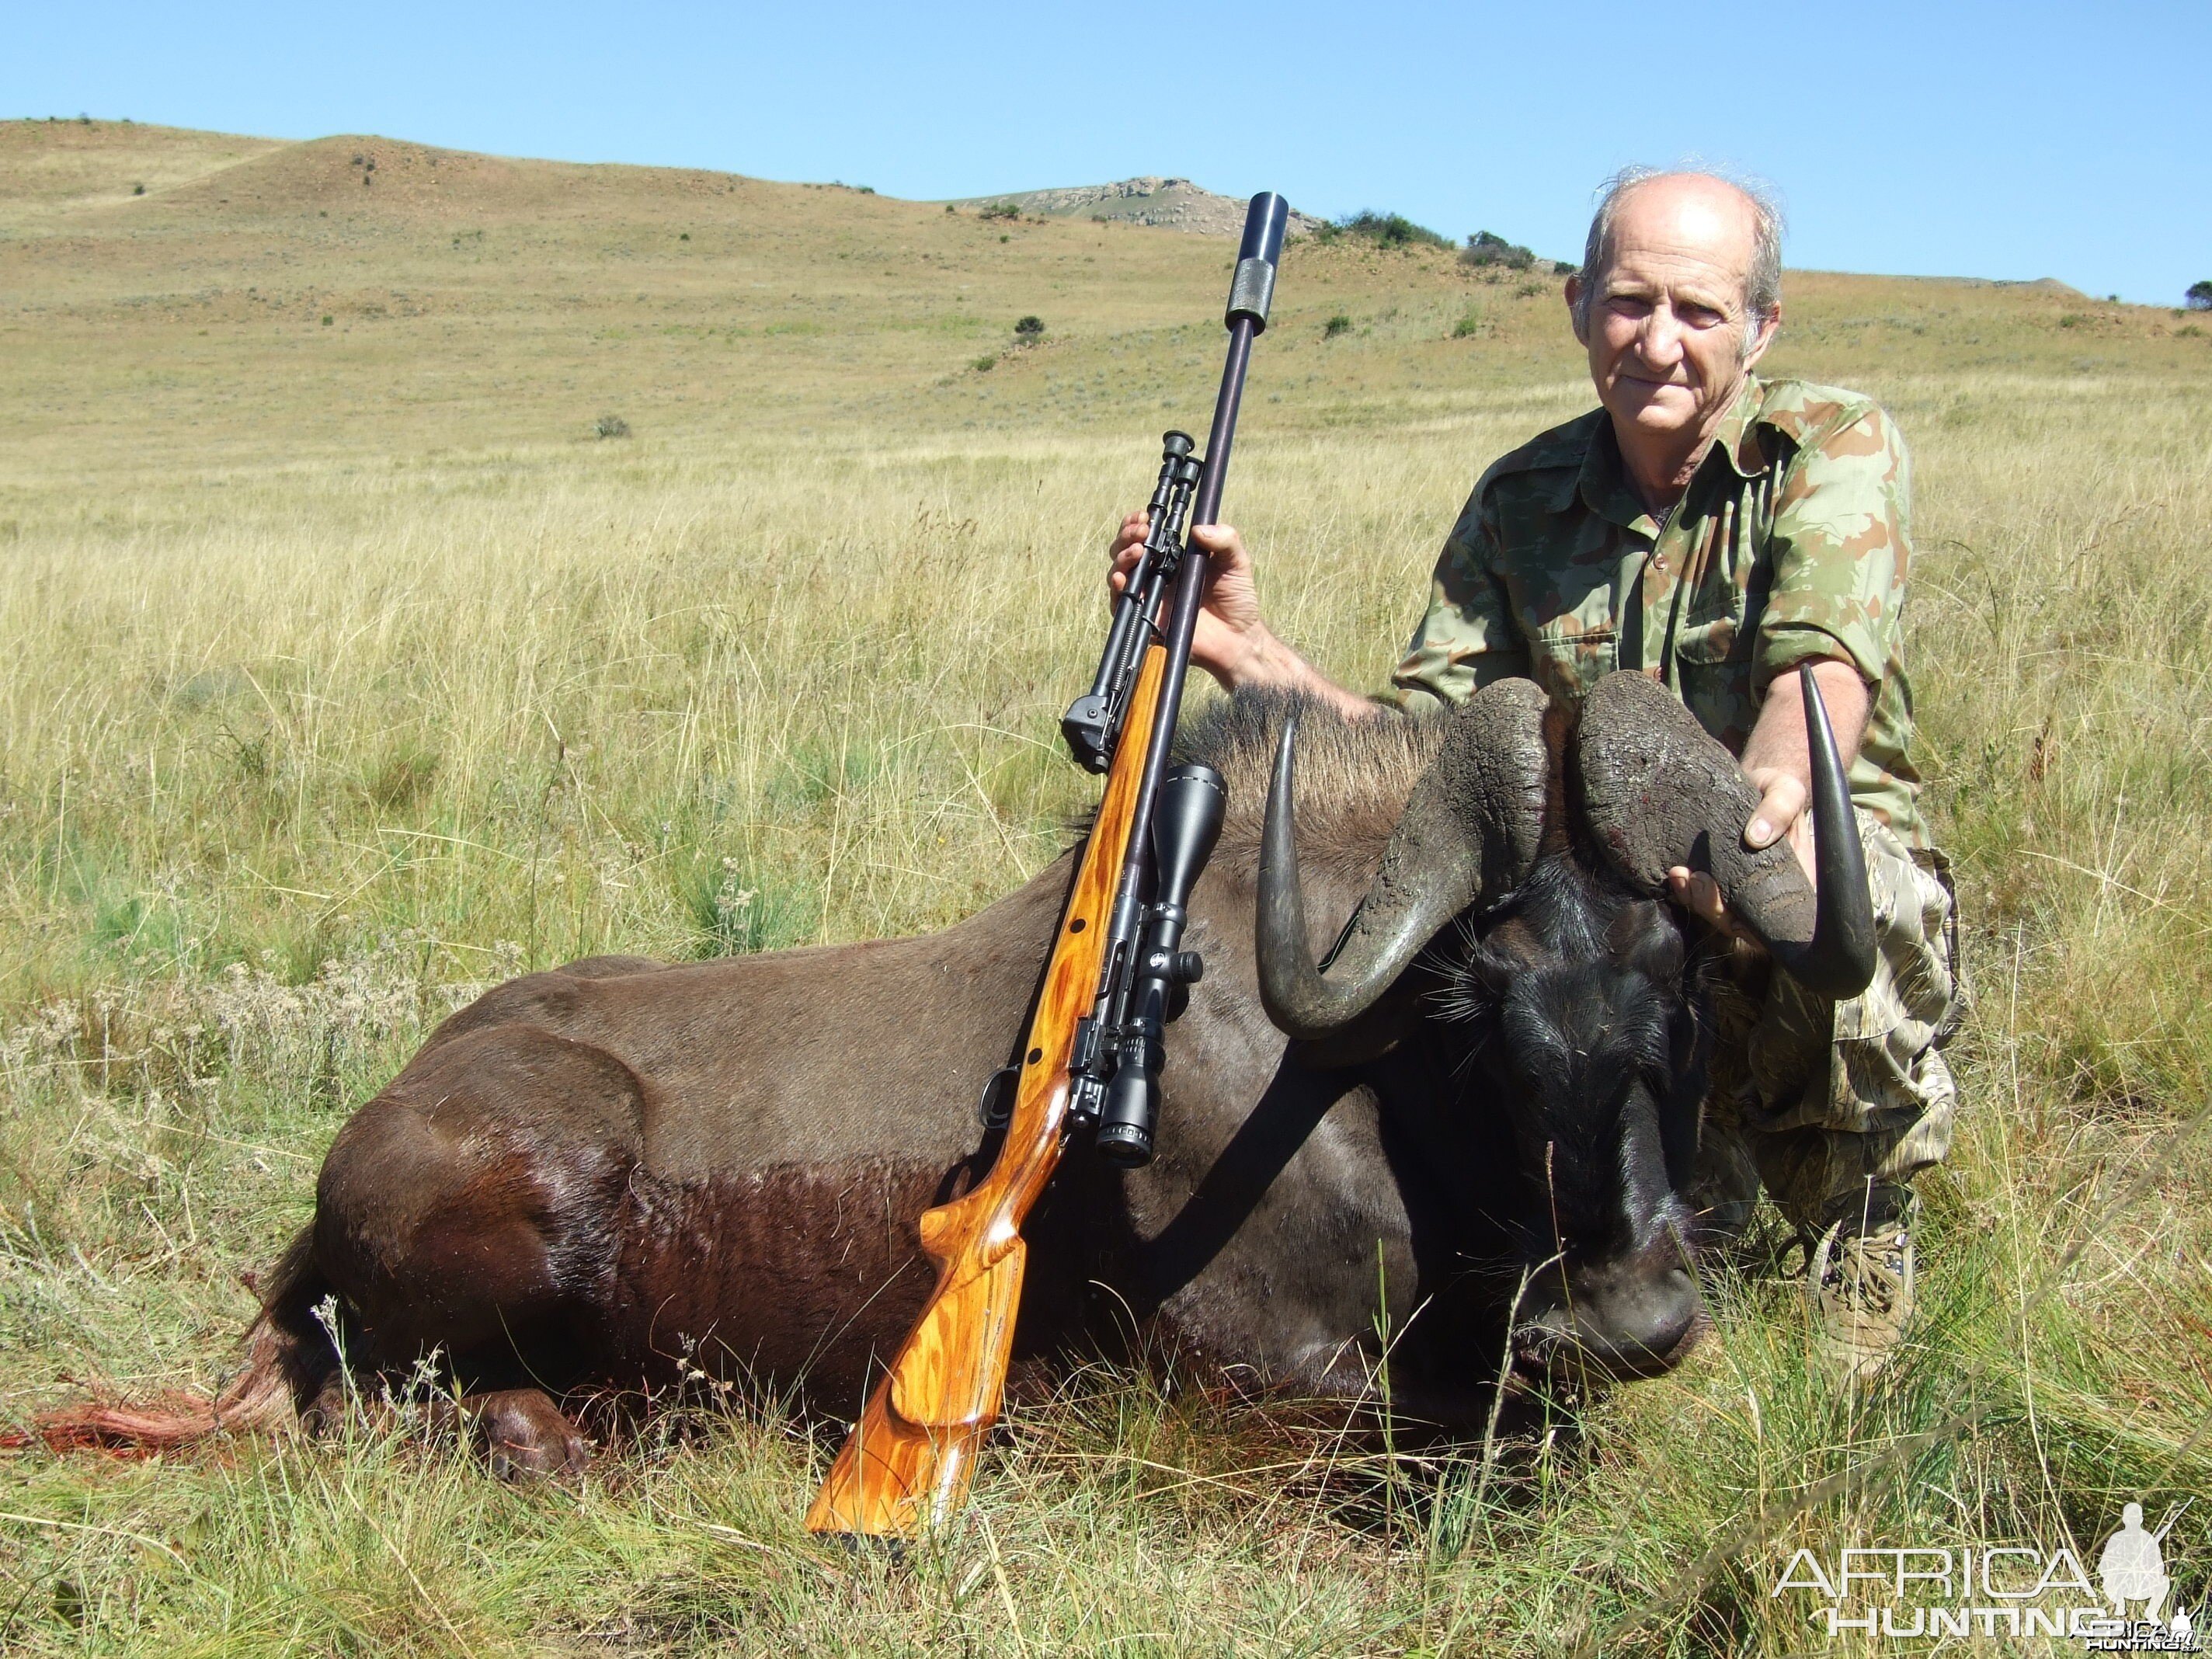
[1566,656]
[1719,614]
[1713,640]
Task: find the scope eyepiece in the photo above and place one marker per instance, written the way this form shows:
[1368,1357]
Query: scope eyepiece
[1131,1113]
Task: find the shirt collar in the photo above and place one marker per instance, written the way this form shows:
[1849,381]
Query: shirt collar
[1602,482]
[1738,435]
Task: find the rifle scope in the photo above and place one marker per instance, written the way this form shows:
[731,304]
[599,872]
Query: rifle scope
[1189,823]
[1118,1055]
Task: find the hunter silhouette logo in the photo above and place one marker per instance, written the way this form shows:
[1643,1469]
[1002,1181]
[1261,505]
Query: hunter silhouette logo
[2132,1567]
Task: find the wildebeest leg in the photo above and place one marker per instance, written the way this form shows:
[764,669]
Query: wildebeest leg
[522,1431]
[471,1210]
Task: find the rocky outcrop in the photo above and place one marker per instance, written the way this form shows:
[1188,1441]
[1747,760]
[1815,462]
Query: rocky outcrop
[1169,203]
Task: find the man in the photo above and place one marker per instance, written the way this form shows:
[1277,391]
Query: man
[1713,530]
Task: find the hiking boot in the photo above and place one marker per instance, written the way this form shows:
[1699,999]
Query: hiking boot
[1860,1284]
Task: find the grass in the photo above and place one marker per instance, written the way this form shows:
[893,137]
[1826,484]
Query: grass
[351,674]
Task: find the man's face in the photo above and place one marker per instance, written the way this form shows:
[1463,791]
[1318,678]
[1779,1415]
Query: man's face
[1668,320]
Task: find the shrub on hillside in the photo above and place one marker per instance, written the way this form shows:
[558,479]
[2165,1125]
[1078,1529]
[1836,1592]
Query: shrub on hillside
[1030,330]
[2199,296]
[1000,210]
[1487,248]
[1337,325]
[1384,230]
[610,426]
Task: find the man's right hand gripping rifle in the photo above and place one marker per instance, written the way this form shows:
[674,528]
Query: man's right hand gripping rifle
[1232,641]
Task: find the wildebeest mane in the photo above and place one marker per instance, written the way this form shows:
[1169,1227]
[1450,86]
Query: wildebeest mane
[1353,776]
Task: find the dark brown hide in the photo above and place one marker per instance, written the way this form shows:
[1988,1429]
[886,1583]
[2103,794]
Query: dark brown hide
[603,1175]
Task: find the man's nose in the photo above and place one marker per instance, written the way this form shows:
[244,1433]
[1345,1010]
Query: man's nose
[1661,338]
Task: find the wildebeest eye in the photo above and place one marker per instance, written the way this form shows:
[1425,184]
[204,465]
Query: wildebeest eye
[1493,970]
[1644,937]
[1472,980]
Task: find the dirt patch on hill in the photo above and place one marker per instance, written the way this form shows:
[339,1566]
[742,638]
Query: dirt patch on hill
[57,166]
[393,177]
[1169,203]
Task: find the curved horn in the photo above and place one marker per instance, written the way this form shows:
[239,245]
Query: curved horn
[1469,830]
[1658,791]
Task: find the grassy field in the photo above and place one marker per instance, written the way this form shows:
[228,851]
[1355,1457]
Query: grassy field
[349,671]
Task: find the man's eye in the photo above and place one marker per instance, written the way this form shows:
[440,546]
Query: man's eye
[1701,316]
[1627,305]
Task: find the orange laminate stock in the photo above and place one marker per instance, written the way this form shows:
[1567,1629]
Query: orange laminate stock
[908,1461]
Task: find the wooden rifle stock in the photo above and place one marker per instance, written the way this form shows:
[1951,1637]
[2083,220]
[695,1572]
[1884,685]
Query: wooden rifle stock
[908,1461]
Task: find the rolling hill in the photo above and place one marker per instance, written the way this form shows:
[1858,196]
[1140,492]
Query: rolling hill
[263,297]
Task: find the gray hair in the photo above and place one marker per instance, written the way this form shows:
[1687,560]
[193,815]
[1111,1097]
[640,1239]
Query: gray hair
[1762,284]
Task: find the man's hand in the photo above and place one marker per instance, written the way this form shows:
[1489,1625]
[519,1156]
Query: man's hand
[1781,800]
[1231,637]
[1779,766]
[1232,641]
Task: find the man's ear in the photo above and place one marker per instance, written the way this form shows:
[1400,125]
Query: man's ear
[1769,326]
[1574,292]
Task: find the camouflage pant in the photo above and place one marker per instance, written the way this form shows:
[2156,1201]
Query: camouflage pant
[1815,1099]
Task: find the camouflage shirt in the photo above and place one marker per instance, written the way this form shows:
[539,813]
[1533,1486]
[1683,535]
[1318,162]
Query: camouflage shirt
[1790,542]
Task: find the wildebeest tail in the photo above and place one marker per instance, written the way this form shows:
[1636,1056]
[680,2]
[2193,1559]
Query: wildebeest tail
[287,1358]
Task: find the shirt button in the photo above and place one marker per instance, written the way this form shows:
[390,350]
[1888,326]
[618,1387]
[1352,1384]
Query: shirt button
[1660,564]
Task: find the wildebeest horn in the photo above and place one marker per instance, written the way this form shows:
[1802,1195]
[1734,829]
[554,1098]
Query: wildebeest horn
[1469,829]
[1657,792]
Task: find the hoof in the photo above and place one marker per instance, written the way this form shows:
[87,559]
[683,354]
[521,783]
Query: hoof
[525,1435]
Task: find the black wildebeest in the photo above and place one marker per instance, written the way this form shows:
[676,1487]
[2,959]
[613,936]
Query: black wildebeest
[1485,1112]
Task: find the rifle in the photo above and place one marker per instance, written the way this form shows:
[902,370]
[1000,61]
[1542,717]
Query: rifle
[1117,975]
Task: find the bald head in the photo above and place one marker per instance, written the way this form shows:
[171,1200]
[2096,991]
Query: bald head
[1731,224]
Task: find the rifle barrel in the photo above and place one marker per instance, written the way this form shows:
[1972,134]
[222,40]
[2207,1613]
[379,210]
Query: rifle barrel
[1248,296]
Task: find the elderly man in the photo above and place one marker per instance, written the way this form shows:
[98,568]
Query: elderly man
[1713,530]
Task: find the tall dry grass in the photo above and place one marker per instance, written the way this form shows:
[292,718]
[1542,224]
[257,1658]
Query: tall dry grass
[300,743]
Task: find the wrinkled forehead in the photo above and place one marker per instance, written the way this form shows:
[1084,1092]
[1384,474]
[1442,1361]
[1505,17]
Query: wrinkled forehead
[1691,230]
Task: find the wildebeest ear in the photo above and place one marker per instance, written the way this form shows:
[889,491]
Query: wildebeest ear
[1645,937]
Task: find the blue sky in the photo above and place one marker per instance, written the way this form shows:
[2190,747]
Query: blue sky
[2015,140]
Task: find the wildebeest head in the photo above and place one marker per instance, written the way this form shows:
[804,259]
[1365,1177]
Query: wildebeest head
[1531,856]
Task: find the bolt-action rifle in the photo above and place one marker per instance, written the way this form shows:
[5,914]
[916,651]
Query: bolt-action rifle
[1117,975]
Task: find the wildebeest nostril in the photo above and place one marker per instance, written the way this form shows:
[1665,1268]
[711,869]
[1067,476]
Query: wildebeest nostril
[1646,1325]
[1638,1328]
